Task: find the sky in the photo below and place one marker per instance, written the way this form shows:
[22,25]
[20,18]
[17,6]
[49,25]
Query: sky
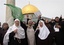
[48,8]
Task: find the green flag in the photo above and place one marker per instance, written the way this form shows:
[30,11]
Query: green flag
[16,12]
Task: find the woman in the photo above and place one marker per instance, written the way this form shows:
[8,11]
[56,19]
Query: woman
[51,35]
[30,30]
[43,33]
[3,31]
[14,35]
[30,33]
[58,35]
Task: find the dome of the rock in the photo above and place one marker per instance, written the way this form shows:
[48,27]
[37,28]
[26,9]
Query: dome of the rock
[29,9]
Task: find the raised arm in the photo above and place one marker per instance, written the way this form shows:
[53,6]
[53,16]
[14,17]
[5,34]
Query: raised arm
[23,25]
[36,24]
[60,18]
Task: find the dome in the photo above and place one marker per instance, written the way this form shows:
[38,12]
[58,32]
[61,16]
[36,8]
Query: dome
[29,9]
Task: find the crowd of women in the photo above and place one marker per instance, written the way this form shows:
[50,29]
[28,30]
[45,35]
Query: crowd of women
[43,32]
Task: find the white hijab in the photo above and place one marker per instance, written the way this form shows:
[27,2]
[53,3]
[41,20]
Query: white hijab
[44,31]
[20,33]
[56,29]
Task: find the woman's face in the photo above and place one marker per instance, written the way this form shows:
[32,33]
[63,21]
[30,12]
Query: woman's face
[57,19]
[46,21]
[30,23]
[41,24]
[17,23]
[5,26]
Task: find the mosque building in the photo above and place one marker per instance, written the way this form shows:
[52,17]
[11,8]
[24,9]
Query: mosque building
[27,10]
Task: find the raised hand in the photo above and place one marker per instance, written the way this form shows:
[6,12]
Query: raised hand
[15,31]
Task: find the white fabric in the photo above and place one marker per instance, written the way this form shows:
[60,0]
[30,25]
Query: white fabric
[44,31]
[56,29]
[31,36]
[20,33]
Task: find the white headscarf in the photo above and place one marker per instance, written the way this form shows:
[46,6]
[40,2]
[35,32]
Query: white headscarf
[20,33]
[44,31]
[56,29]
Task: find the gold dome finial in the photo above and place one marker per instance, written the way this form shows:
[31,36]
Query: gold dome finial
[29,2]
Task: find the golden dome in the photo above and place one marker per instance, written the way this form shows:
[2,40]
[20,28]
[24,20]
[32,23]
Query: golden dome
[29,9]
